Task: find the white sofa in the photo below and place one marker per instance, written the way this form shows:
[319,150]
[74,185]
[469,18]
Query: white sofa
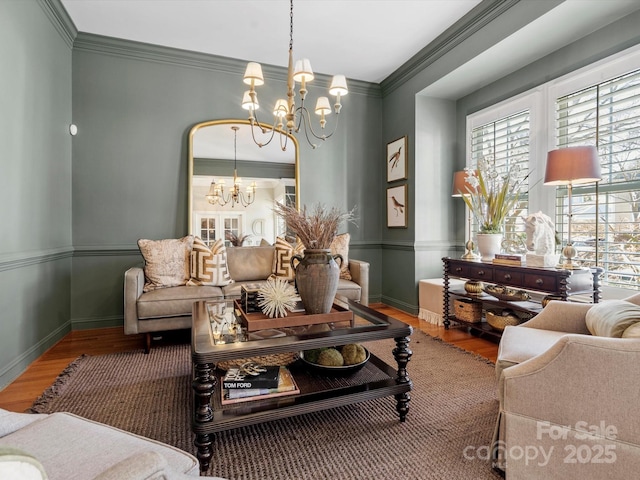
[68,447]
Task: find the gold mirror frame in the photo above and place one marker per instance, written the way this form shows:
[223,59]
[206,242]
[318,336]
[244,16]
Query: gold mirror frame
[229,121]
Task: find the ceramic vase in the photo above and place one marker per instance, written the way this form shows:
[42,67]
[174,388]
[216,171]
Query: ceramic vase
[317,276]
[488,245]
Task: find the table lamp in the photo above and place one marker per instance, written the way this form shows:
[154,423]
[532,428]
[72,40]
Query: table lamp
[462,187]
[572,166]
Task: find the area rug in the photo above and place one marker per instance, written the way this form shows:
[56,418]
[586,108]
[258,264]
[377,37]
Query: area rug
[449,426]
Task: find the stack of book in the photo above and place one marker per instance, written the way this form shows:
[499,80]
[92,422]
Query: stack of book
[276,381]
[513,259]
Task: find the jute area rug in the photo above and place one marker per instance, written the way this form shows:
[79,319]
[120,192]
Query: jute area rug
[449,426]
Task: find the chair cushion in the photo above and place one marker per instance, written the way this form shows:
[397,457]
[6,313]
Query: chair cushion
[611,318]
[519,344]
[250,263]
[93,446]
[166,261]
[19,465]
[209,265]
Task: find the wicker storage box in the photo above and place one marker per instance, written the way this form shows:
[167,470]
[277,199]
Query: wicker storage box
[467,310]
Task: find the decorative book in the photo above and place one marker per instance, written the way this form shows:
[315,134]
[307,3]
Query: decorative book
[286,386]
[237,378]
[509,259]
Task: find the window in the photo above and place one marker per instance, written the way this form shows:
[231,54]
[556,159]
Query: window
[504,144]
[605,228]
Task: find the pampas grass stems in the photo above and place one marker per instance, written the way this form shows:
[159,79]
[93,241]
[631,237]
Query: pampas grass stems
[316,228]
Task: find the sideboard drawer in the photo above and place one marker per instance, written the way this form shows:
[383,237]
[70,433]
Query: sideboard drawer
[508,276]
[480,272]
[541,282]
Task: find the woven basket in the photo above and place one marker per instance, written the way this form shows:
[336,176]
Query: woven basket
[467,310]
[500,321]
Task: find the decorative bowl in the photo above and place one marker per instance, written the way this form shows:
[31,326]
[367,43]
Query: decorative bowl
[473,287]
[500,321]
[334,371]
[505,293]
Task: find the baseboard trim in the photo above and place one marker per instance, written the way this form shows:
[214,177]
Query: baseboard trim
[22,362]
[90,323]
[400,305]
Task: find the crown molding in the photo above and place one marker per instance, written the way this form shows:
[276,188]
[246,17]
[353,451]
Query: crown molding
[119,47]
[60,19]
[478,18]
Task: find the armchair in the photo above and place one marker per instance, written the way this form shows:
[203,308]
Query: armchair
[566,399]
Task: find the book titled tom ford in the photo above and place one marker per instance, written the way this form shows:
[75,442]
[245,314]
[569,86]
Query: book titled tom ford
[236,379]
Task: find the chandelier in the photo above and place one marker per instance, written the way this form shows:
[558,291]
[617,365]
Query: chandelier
[216,190]
[287,117]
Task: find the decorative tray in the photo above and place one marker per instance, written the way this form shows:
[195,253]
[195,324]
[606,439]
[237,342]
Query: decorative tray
[259,321]
[507,294]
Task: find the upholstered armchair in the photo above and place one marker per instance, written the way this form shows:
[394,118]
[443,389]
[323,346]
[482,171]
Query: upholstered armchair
[567,398]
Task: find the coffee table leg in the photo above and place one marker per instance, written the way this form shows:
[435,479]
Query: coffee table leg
[203,386]
[402,354]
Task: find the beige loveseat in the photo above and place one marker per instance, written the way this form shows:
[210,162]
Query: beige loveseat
[567,397]
[170,308]
[68,447]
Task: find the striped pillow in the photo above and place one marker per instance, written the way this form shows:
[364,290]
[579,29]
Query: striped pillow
[209,265]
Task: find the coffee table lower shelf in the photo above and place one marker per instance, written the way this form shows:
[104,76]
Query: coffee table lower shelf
[375,380]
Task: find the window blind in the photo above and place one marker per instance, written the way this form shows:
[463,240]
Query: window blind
[605,228]
[504,144]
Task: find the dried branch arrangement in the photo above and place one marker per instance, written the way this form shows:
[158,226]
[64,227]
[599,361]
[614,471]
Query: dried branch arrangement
[316,228]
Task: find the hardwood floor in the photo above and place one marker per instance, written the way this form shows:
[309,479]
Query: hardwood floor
[20,394]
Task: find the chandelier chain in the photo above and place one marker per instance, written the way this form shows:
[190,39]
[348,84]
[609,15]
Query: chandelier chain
[291,25]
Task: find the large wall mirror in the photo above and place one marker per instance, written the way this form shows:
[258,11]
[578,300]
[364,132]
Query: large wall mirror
[271,173]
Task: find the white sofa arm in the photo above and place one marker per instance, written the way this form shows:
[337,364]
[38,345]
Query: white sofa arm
[133,285]
[560,316]
[360,274]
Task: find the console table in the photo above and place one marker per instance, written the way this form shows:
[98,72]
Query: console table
[549,281]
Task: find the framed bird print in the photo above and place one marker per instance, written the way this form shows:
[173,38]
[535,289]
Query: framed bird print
[397,207]
[397,159]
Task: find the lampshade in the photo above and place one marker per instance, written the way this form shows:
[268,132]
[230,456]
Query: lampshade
[303,71]
[323,106]
[338,85]
[253,73]
[281,109]
[249,104]
[572,165]
[460,185]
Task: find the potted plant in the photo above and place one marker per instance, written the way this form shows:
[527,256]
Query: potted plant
[317,272]
[491,198]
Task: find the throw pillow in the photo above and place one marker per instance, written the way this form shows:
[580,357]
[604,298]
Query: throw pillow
[340,245]
[209,265]
[282,260]
[612,317]
[632,331]
[166,262]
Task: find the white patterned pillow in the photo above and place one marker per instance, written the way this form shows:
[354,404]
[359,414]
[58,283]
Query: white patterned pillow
[166,262]
[340,245]
[209,265]
[282,260]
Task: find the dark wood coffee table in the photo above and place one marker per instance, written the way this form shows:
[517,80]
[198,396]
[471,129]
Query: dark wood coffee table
[376,379]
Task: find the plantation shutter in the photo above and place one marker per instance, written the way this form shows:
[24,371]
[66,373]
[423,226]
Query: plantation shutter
[504,144]
[606,115]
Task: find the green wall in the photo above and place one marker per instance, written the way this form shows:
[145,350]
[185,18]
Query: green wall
[74,207]
[35,183]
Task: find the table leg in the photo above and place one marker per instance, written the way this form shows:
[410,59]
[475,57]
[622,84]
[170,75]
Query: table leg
[402,354]
[203,386]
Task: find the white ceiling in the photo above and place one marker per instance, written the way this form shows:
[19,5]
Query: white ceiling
[362,39]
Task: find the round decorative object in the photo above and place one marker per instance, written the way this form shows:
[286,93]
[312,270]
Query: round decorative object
[545,301]
[473,287]
[276,297]
[317,275]
[507,294]
[499,322]
[330,371]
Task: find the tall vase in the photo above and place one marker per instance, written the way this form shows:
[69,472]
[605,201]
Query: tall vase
[488,245]
[317,275]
